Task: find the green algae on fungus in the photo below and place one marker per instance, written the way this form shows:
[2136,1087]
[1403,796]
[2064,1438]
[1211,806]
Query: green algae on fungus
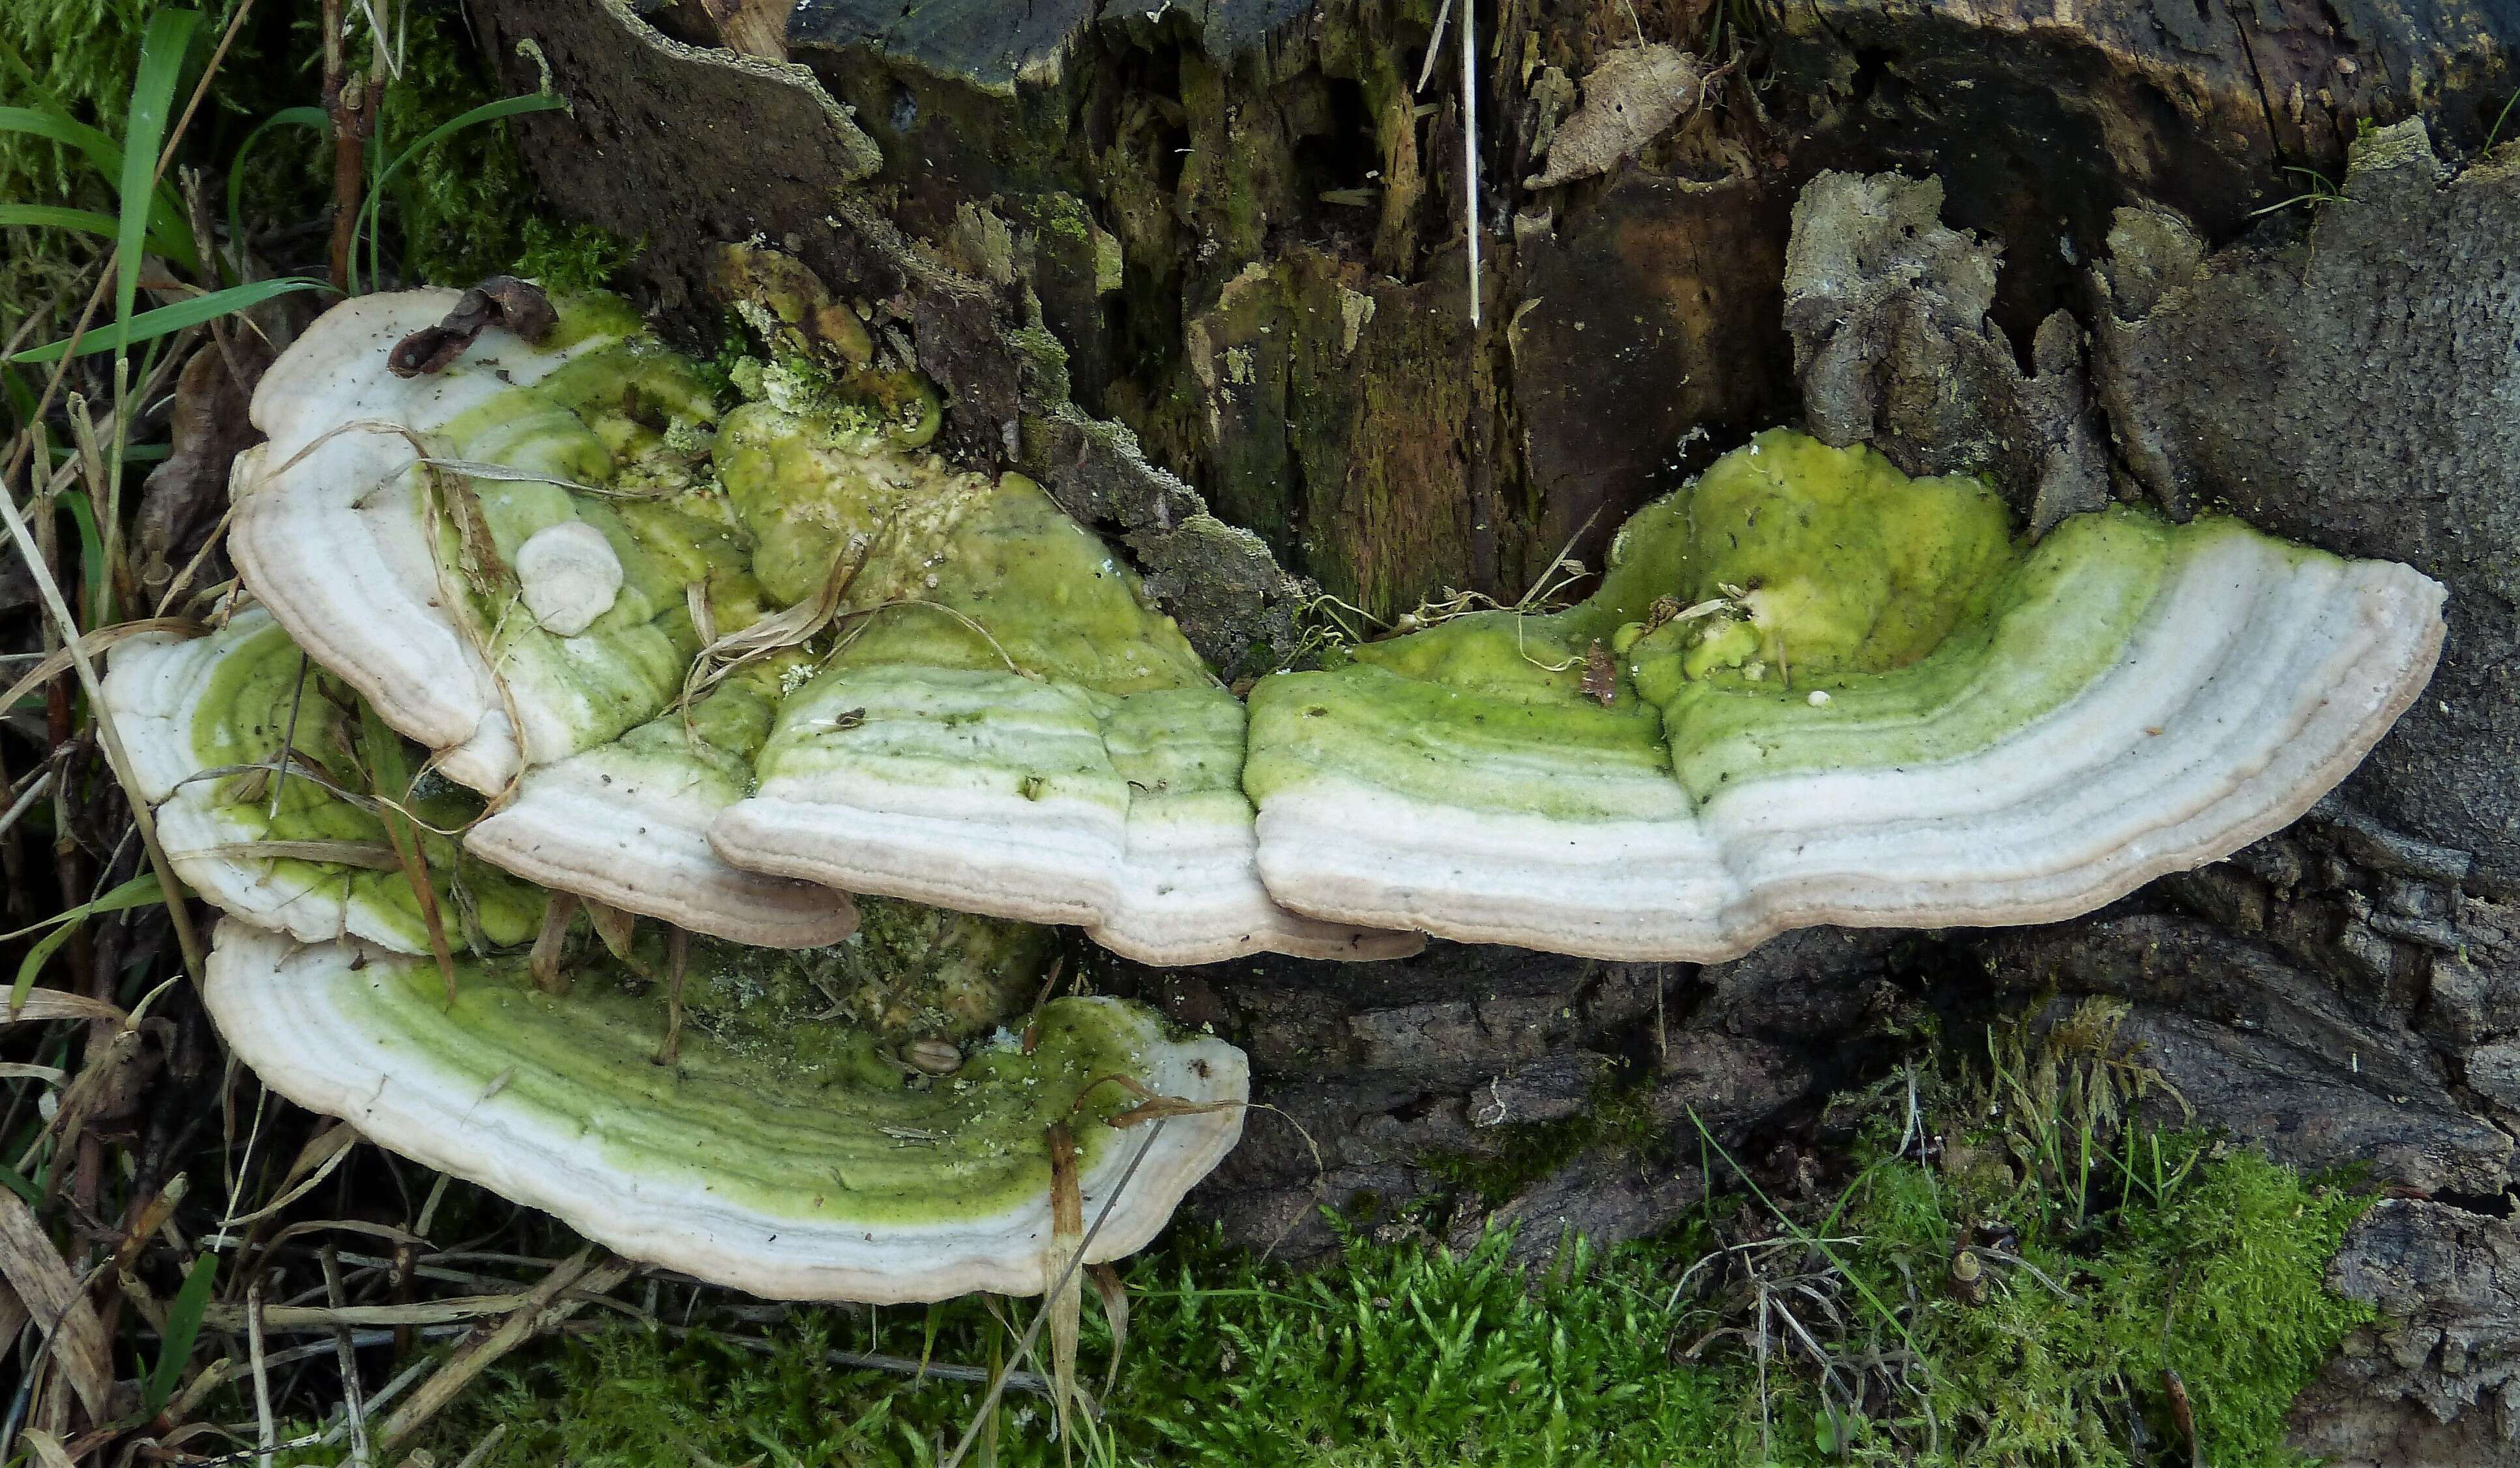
[625,617]
[775,1151]
[289,850]
[917,972]
[852,1121]
[1832,694]
[1010,728]
[399,577]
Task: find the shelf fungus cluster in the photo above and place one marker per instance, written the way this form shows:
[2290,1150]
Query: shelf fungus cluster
[519,631]
[1810,690]
[590,634]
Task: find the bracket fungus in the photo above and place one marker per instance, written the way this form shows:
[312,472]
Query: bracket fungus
[1010,728]
[721,665]
[1810,690]
[774,1153]
[272,839]
[721,672]
[438,542]
[853,1121]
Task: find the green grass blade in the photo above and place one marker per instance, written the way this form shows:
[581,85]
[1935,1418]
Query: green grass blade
[139,892]
[165,320]
[163,49]
[91,550]
[488,111]
[165,234]
[101,151]
[52,217]
[309,118]
[183,1325]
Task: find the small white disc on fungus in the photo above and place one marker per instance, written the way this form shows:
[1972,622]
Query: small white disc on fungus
[569,576]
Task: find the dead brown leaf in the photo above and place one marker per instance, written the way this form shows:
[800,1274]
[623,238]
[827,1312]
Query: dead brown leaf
[617,928]
[1065,1305]
[12,1313]
[1153,1105]
[185,496]
[1601,675]
[1628,100]
[751,27]
[47,1449]
[50,1293]
[1115,1314]
[314,1163]
[59,1004]
[369,856]
[543,961]
[93,643]
[502,300]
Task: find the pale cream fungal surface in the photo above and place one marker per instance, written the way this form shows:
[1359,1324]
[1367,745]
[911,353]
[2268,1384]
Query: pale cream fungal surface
[1810,690]
[567,576]
[206,721]
[763,656]
[778,1153]
[871,1119]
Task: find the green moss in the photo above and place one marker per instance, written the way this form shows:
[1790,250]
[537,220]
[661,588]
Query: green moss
[467,207]
[1060,216]
[923,971]
[1406,1355]
[1618,1117]
[563,256]
[2217,1275]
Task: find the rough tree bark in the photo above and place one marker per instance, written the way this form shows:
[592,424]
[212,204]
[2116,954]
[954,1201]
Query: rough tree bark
[1199,267]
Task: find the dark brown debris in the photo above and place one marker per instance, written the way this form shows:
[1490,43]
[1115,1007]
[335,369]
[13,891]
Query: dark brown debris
[502,300]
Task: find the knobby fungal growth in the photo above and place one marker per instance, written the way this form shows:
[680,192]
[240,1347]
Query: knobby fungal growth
[780,1154]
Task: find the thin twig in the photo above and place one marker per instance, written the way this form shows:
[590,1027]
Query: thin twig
[351,1404]
[481,1449]
[1471,146]
[482,1352]
[27,800]
[289,739]
[904,1365]
[268,1434]
[1434,46]
[387,1393]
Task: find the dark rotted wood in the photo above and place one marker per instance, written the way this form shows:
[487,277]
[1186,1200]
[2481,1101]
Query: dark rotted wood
[1650,335]
[2355,390]
[2042,116]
